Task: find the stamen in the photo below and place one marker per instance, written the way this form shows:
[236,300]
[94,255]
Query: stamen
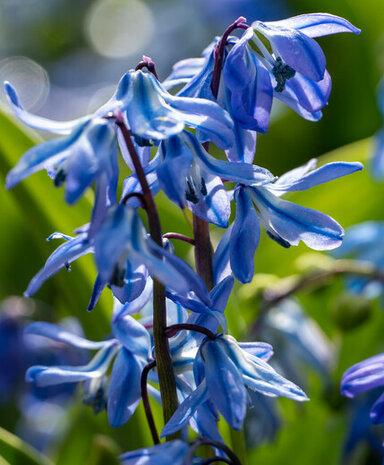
[282,73]
[190,193]
[118,276]
[203,188]
[60,177]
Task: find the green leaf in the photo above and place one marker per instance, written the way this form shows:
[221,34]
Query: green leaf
[16,452]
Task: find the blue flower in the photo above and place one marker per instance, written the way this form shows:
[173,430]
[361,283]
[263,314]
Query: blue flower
[245,92]
[88,149]
[285,222]
[364,241]
[297,63]
[377,162]
[293,72]
[130,348]
[162,454]
[298,342]
[125,257]
[87,154]
[223,369]
[191,177]
[363,377]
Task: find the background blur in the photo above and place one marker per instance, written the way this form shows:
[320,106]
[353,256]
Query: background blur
[65,58]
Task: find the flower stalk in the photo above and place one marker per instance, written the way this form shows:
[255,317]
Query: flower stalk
[163,355]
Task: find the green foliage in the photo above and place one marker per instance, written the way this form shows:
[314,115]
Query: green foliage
[14,451]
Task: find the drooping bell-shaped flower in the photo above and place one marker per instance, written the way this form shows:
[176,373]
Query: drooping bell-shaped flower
[129,348]
[363,377]
[285,222]
[223,371]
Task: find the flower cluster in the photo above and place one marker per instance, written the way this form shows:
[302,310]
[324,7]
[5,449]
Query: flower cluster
[178,337]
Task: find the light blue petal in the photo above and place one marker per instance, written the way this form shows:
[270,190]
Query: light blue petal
[289,97]
[329,172]
[361,238]
[377,160]
[219,296]
[112,240]
[89,158]
[132,335]
[134,282]
[37,157]
[66,253]
[98,288]
[209,198]
[317,24]
[250,86]
[225,384]
[220,263]
[38,122]
[293,223]
[57,333]
[245,237]
[243,173]
[261,350]
[182,415]
[148,114]
[135,305]
[260,376]
[203,114]
[124,393]
[309,95]
[183,71]
[172,172]
[363,376]
[48,376]
[300,52]
[132,184]
[174,272]
[172,452]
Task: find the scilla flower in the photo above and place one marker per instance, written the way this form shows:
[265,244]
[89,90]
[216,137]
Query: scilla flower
[223,371]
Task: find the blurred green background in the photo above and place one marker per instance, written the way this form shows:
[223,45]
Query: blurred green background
[65,57]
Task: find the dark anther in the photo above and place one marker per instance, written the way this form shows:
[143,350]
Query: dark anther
[141,142]
[203,188]
[60,177]
[67,266]
[282,73]
[190,193]
[95,396]
[118,276]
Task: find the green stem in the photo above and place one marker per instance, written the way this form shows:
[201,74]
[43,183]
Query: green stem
[163,356]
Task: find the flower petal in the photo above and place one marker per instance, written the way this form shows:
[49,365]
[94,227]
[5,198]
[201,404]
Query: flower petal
[124,393]
[293,223]
[38,122]
[317,24]
[245,237]
[182,415]
[225,384]
[300,181]
[57,333]
[66,253]
[299,51]
[48,376]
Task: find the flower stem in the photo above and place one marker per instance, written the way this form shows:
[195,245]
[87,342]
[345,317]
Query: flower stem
[174,329]
[163,356]
[203,251]
[147,405]
[180,237]
[203,248]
